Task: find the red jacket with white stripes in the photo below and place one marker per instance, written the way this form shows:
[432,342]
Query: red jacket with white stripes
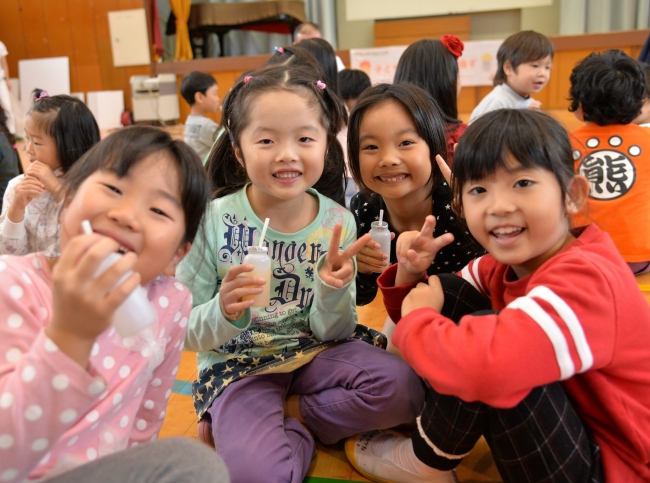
[579,319]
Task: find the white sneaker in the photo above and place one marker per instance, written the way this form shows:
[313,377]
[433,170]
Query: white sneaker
[378,466]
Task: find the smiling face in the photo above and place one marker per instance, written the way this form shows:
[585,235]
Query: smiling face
[394,160]
[518,215]
[529,77]
[282,147]
[142,211]
[39,145]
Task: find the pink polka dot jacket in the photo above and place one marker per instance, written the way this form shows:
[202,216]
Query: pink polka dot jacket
[54,414]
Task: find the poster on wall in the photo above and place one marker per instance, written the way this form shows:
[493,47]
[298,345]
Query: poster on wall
[476,66]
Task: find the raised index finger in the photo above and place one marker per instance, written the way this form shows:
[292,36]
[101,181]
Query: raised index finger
[335,243]
[446,172]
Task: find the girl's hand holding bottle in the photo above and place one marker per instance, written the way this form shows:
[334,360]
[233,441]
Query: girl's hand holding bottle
[236,285]
[371,259]
[337,269]
[45,175]
[83,304]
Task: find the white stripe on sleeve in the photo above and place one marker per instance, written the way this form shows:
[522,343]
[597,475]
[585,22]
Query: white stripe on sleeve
[467,276]
[572,322]
[553,332]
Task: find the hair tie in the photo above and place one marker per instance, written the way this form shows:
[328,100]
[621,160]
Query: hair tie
[15,146]
[453,44]
[42,95]
[321,85]
[247,78]
[279,50]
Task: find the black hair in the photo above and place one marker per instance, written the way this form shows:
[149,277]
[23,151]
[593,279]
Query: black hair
[646,76]
[12,140]
[326,58]
[429,65]
[525,46]
[69,122]
[609,87]
[534,139]
[195,82]
[124,149]
[352,82]
[225,171]
[301,26]
[423,111]
[293,56]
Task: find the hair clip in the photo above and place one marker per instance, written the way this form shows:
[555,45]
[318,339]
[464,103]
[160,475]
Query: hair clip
[15,146]
[453,44]
[321,85]
[279,50]
[42,95]
[247,78]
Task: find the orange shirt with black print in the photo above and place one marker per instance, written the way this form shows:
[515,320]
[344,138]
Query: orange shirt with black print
[614,159]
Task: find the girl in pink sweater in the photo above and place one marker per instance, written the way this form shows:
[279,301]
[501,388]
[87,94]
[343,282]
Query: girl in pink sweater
[72,390]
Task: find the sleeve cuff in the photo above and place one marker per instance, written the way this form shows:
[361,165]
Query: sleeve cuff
[13,230]
[394,296]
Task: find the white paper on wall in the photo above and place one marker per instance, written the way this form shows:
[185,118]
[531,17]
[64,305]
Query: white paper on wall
[129,38]
[476,66]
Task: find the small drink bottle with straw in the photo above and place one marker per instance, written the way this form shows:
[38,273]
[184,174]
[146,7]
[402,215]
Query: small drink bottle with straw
[380,234]
[136,312]
[258,256]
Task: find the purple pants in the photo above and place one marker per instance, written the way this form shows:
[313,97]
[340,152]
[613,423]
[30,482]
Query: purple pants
[347,389]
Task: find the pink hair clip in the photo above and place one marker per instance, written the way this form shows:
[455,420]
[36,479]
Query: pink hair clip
[279,50]
[42,95]
[247,78]
[321,85]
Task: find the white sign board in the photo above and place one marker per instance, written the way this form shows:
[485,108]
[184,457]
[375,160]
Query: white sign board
[51,74]
[129,37]
[476,66]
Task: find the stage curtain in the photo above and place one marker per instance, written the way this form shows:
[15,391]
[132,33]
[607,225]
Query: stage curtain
[181,9]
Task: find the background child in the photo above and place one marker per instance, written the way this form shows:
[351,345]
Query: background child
[282,125]
[643,119]
[5,88]
[395,133]
[9,160]
[433,66]
[559,368]
[71,389]
[59,130]
[524,68]
[352,82]
[607,91]
[202,94]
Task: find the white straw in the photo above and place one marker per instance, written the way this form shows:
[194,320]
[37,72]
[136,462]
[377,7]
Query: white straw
[266,225]
[85,226]
[381,216]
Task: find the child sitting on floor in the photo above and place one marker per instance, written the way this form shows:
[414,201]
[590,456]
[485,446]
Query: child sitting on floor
[524,68]
[201,92]
[607,91]
[541,345]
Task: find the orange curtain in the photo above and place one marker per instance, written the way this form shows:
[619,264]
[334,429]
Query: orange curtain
[181,9]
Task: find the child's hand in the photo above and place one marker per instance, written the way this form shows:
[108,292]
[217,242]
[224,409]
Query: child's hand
[337,269]
[535,106]
[370,259]
[424,295]
[45,175]
[28,189]
[416,251]
[84,305]
[234,287]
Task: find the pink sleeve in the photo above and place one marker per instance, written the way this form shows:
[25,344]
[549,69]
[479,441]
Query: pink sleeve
[174,318]
[42,391]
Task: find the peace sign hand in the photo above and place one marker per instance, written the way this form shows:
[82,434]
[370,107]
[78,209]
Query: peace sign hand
[416,251]
[337,269]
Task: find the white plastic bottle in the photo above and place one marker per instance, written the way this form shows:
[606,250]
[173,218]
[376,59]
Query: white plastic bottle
[380,234]
[136,312]
[259,258]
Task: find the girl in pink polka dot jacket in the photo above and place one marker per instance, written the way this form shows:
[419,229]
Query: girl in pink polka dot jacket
[71,389]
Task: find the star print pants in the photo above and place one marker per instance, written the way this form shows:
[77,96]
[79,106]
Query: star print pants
[540,439]
[346,389]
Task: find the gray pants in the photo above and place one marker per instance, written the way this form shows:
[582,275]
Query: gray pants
[171,460]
